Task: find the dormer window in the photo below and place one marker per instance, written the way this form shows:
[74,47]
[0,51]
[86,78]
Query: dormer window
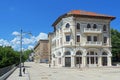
[88,26]
[104,28]
[94,26]
[67,25]
[78,26]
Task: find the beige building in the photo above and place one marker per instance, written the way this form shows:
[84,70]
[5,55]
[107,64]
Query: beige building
[41,51]
[81,39]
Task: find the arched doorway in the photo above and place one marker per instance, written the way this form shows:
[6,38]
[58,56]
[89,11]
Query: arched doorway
[67,59]
[104,59]
[92,59]
[78,59]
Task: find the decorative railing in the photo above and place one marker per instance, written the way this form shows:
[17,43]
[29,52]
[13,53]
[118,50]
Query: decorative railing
[92,30]
[90,43]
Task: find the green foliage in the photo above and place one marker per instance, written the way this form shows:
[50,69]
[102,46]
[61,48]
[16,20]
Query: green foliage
[26,55]
[115,37]
[8,56]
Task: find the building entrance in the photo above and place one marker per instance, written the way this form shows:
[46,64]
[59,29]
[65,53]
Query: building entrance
[67,61]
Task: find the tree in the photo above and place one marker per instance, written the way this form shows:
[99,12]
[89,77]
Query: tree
[115,40]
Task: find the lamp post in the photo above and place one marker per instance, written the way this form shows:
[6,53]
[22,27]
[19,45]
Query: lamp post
[20,74]
[21,34]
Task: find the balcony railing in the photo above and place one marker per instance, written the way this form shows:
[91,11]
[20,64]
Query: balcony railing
[90,43]
[67,30]
[92,30]
[67,43]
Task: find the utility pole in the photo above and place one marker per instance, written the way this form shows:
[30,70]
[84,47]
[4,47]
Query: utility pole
[20,74]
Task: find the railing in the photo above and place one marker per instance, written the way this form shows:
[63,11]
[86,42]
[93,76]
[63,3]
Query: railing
[67,43]
[90,43]
[67,30]
[92,30]
[5,69]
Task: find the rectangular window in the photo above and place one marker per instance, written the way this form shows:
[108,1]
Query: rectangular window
[88,38]
[78,38]
[67,38]
[95,38]
[104,28]
[105,40]
[78,60]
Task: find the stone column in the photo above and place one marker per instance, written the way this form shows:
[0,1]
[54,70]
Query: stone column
[83,61]
[63,61]
[99,61]
[109,61]
[72,61]
[89,61]
[94,60]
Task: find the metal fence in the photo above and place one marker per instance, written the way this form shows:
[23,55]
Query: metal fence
[6,69]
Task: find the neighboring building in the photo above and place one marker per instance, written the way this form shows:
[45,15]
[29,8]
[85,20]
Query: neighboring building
[50,46]
[81,39]
[41,51]
[31,57]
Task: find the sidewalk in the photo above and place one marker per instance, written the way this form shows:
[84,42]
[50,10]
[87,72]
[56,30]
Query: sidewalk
[41,71]
[15,75]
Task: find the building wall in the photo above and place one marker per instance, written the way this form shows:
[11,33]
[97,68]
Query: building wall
[60,46]
[42,51]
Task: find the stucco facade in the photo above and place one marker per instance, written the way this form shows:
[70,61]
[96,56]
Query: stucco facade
[81,39]
[41,51]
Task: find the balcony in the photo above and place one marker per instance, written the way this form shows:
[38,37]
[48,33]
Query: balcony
[92,30]
[67,43]
[90,43]
[67,30]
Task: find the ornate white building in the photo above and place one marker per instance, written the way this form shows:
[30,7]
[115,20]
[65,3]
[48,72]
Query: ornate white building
[81,39]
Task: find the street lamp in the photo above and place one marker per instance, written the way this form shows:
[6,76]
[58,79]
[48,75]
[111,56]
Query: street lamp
[20,74]
[21,34]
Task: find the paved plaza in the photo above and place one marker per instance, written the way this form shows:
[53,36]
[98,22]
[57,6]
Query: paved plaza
[37,71]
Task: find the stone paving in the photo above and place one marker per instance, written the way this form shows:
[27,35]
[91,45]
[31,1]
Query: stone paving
[37,71]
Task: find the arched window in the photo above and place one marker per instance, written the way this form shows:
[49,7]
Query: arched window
[104,28]
[67,53]
[88,26]
[104,53]
[67,25]
[94,26]
[53,55]
[78,53]
[59,54]
[78,26]
[91,52]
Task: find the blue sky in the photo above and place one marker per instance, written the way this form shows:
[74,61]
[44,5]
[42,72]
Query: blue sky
[37,16]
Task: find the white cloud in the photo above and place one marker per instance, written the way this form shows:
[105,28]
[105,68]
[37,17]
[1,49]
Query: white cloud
[4,42]
[16,40]
[30,47]
[42,36]
[28,42]
[15,33]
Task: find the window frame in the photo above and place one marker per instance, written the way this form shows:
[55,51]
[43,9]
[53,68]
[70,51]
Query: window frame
[67,37]
[78,26]
[67,25]
[88,26]
[104,28]
[78,38]
[89,38]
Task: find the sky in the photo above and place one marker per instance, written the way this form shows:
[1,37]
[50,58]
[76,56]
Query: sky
[37,16]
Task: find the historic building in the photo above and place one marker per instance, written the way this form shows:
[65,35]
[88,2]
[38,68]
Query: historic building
[41,51]
[81,39]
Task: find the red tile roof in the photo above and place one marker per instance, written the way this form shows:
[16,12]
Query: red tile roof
[79,12]
[84,14]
